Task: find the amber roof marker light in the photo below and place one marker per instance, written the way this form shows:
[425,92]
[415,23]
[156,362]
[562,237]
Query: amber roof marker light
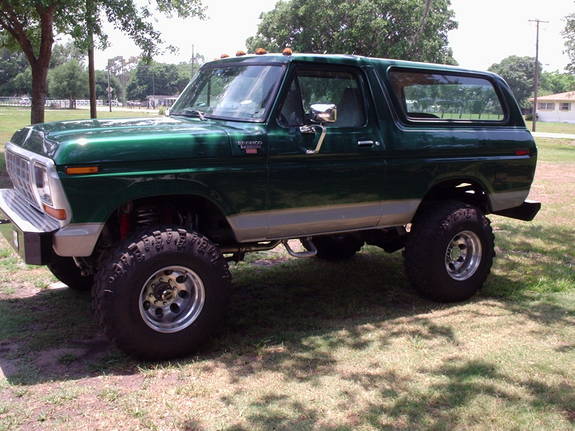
[261,51]
[240,53]
[287,51]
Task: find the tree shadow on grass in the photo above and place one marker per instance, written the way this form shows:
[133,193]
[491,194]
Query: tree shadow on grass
[287,318]
[457,384]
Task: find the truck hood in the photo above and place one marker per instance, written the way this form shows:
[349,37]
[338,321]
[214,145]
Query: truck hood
[122,140]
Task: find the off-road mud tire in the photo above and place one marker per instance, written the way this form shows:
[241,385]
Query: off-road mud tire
[120,280]
[337,247]
[65,270]
[433,230]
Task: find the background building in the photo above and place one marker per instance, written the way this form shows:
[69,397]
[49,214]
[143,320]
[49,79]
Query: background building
[557,107]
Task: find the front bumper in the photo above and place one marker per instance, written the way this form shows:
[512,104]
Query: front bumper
[26,229]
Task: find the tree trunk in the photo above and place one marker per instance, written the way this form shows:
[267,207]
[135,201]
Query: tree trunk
[90,12]
[39,90]
[40,64]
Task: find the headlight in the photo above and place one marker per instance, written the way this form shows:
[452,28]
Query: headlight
[42,183]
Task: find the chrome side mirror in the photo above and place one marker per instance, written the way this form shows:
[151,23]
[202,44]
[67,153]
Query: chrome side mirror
[324,113]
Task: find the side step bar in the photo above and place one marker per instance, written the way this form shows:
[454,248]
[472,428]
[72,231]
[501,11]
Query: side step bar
[308,245]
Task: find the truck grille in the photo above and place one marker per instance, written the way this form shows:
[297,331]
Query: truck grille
[19,171]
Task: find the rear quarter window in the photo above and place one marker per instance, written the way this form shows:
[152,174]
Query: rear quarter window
[431,96]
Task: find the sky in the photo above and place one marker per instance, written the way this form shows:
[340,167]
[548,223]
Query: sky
[489,30]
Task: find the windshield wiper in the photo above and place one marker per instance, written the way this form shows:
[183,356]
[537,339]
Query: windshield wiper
[189,112]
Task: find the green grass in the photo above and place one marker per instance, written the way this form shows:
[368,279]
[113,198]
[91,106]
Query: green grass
[550,127]
[12,119]
[556,150]
[311,345]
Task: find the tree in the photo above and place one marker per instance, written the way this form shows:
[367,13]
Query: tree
[63,53]
[102,86]
[69,81]
[403,29]
[31,25]
[157,78]
[569,35]
[121,68]
[22,83]
[556,82]
[11,64]
[519,73]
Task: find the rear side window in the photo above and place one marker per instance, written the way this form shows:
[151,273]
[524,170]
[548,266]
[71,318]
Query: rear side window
[437,97]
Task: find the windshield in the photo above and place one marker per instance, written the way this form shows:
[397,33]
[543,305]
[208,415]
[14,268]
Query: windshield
[230,92]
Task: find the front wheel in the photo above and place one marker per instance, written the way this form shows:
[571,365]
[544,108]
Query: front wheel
[449,251]
[162,293]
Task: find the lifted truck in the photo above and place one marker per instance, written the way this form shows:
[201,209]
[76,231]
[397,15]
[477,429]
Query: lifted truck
[334,150]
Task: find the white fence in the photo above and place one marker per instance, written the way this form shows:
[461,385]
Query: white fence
[25,101]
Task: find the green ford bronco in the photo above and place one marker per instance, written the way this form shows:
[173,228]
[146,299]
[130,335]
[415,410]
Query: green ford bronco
[335,151]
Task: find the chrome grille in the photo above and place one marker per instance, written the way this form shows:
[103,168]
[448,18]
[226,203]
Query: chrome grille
[19,171]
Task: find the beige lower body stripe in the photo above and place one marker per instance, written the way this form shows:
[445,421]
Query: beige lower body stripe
[293,223]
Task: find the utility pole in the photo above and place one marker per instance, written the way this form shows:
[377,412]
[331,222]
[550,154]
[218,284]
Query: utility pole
[109,92]
[193,60]
[536,77]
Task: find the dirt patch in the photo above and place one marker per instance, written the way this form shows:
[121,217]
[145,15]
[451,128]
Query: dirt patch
[548,178]
[72,360]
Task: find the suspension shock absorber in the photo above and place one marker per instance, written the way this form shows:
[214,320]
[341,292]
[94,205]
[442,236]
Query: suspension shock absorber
[146,215]
[125,220]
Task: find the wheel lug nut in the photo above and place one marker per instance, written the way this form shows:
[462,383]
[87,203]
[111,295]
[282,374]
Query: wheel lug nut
[181,278]
[167,272]
[182,293]
[159,312]
[146,305]
[175,308]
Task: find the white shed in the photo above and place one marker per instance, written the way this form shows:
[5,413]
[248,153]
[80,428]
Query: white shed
[556,107]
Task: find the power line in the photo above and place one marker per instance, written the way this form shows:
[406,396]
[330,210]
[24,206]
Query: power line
[536,78]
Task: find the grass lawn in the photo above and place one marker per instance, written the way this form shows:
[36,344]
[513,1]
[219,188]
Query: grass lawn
[553,127]
[310,345]
[12,119]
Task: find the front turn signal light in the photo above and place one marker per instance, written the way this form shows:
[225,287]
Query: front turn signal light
[80,170]
[59,214]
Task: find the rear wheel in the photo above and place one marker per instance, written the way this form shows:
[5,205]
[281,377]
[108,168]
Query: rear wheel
[449,251]
[337,247]
[65,270]
[162,293]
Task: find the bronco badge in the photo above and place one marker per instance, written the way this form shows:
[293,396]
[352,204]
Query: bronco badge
[250,147]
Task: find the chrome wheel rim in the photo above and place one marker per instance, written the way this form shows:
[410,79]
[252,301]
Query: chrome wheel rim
[463,255]
[171,299]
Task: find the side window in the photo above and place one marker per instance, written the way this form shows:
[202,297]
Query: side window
[291,113]
[341,88]
[439,96]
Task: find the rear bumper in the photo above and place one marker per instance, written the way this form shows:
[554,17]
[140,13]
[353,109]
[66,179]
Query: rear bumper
[28,231]
[526,211]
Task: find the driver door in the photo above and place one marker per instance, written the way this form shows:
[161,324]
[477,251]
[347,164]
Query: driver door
[340,187]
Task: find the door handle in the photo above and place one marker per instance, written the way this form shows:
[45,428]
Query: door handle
[367,144]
